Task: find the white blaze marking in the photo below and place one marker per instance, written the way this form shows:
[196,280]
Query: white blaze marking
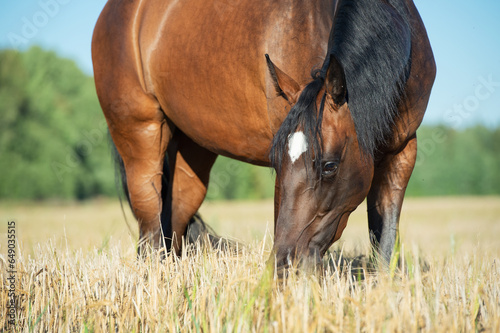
[297,145]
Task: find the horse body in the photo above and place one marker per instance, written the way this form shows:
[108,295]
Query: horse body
[181,82]
[187,49]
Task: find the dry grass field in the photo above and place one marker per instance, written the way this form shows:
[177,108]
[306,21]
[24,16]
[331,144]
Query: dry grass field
[76,271]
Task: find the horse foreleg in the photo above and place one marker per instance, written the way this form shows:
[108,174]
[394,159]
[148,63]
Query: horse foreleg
[386,195]
[190,182]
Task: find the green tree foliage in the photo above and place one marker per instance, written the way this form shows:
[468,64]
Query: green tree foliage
[452,162]
[53,137]
[53,143]
[231,179]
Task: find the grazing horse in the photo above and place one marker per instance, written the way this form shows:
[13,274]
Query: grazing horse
[330,93]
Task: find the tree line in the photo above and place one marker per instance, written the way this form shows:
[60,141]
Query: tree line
[54,143]
[53,137]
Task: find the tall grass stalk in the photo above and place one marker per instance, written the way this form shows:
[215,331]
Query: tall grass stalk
[217,290]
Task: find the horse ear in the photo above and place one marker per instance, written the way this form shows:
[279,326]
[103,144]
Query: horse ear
[284,85]
[335,81]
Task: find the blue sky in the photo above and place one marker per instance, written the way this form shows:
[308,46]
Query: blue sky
[465,36]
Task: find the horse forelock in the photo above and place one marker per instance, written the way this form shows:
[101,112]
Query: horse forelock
[305,115]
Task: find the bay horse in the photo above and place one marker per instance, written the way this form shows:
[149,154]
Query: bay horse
[329,93]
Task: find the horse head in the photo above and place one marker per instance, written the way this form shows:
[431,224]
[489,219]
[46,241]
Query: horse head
[323,174]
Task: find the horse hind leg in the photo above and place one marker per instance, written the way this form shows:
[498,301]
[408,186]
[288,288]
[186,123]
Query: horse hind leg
[189,185]
[141,133]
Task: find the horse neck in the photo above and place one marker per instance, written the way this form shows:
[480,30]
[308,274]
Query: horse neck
[298,36]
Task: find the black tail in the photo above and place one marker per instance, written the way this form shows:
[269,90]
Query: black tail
[120,175]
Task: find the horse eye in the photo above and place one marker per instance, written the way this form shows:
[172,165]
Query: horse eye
[330,168]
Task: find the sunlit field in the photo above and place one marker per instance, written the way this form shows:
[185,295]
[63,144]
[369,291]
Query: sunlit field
[77,271]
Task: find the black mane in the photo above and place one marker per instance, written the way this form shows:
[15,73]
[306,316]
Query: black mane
[372,41]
